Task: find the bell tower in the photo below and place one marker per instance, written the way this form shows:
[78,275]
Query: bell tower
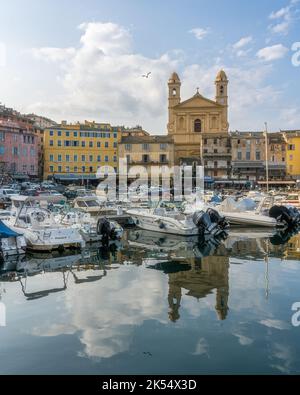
[222,97]
[174,85]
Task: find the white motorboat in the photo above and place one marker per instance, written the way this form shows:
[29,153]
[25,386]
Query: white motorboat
[265,215]
[88,226]
[39,228]
[166,218]
[11,243]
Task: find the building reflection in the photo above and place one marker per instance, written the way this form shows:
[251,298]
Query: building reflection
[205,277]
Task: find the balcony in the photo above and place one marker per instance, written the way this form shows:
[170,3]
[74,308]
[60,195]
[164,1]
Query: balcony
[148,163]
[217,154]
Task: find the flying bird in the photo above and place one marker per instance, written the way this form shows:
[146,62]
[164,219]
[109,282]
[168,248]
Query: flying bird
[146,75]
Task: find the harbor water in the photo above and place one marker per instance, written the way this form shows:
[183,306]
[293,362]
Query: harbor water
[155,304]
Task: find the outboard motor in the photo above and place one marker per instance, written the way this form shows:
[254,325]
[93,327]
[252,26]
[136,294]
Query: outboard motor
[285,215]
[216,217]
[104,229]
[203,222]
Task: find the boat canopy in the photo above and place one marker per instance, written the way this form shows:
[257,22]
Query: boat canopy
[6,232]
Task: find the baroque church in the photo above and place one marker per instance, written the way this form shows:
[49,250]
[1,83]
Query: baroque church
[199,128]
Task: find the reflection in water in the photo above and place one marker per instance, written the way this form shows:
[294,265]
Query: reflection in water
[108,294]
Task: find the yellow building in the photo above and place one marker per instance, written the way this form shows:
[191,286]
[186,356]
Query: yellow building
[199,127]
[151,152]
[75,151]
[292,138]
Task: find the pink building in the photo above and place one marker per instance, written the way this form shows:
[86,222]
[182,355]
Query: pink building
[18,147]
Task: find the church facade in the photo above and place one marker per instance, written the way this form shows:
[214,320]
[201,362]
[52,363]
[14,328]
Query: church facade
[199,128]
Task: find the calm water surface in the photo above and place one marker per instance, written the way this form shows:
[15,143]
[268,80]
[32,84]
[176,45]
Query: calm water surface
[155,305]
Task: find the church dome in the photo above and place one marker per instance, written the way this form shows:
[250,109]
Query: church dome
[221,76]
[174,78]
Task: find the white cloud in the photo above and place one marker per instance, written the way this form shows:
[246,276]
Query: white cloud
[53,54]
[101,79]
[273,52]
[283,12]
[286,17]
[199,32]
[276,324]
[243,42]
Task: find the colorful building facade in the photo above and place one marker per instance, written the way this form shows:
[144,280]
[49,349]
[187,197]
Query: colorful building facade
[292,139]
[75,152]
[18,146]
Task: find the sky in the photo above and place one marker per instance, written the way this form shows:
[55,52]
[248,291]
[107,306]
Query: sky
[84,60]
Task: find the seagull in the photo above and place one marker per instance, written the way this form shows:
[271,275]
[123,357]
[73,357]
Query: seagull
[146,75]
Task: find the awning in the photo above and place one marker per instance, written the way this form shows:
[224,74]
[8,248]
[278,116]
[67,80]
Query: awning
[21,177]
[74,177]
[6,232]
[209,179]
[279,182]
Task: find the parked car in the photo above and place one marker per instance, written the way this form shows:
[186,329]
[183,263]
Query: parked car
[7,193]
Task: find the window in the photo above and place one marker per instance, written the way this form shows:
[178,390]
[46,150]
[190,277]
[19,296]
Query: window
[59,169]
[239,155]
[51,169]
[128,159]
[51,158]
[82,158]
[106,158]
[215,151]
[91,169]
[115,144]
[91,144]
[197,126]
[59,133]
[2,150]
[221,90]
[67,143]
[145,147]
[115,135]
[98,144]
[25,151]
[146,159]
[115,158]
[91,158]
[128,147]
[273,158]
[15,150]
[67,134]
[67,158]
[257,155]
[205,141]
[163,146]
[75,158]
[83,144]
[215,164]
[59,143]
[239,141]
[59,157]
[247,155]
[51,143]
[163,158]
[51,133]
[75,169]
[174,92]
[106,144]
[83,169]
[181,123]
[75,134]
[291,147]
[283,159]
[67,169]
[215,141]
[205,151]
